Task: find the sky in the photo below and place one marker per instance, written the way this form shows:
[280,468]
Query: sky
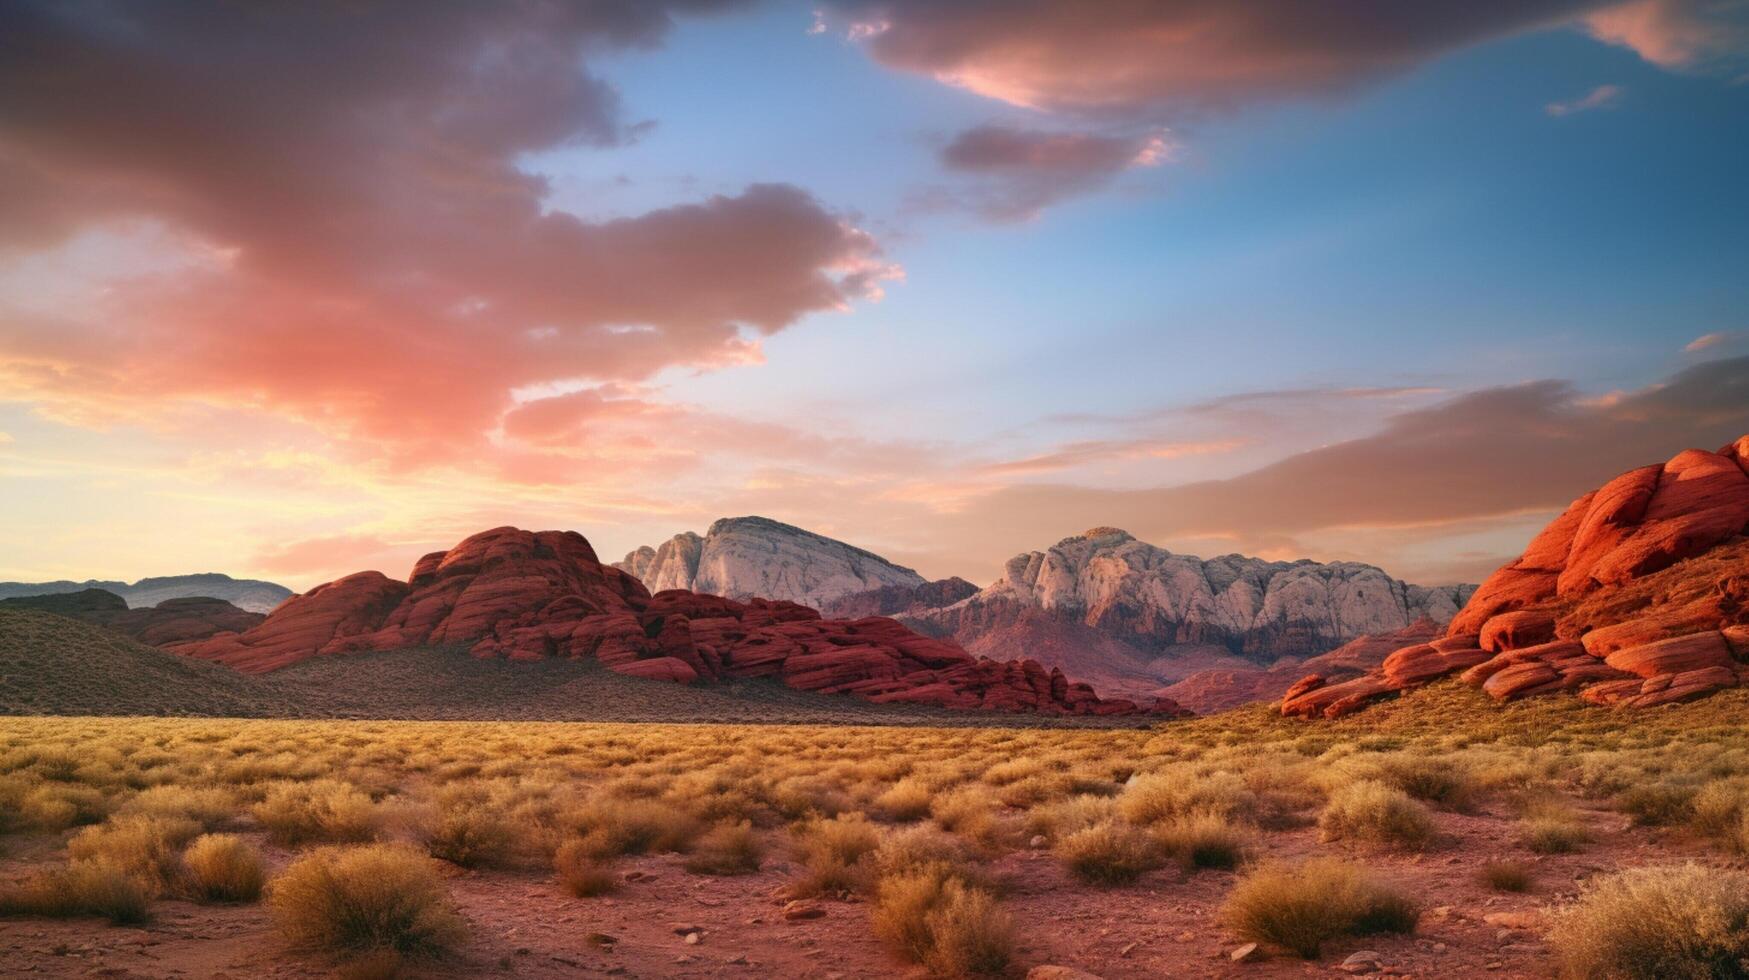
[291,291]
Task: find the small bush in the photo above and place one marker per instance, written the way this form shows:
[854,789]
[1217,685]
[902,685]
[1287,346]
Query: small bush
[223,868]
[727,849]
[1551,827]
[1673,922]
[905,801]
[1372,811]
[363,898]
[1301,908]
[323,810]
[80,888]
[1656,804]
[952,928]
[833,851]
[1506,876]
[1203,840]
[581,872]
[1109,853]
[634,826]
[1180,791]
[470,836]
[143,846]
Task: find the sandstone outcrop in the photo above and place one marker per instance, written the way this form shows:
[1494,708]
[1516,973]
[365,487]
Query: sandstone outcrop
[1219,689]
[755,557]
[1633,596]
[523,595]
[899,600]
[170,621]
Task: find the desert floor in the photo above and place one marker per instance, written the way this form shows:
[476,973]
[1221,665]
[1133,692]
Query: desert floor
[785,850]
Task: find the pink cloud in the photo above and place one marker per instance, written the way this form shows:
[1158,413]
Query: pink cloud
[1020,172]
[1601,97]
[363,253]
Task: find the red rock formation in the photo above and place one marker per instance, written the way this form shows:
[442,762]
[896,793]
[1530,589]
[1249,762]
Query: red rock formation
[526,595]
[1634,596]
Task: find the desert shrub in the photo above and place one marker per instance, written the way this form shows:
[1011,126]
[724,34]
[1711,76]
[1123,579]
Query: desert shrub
[376,896]
[80,888]
[1672,922]
[1551,827]
[618,826]
[1109,853]
[833,850]
[1180,790]
[1204,840]
[146,847]
[936,919]
[971,812]
[1301,908]
[726,849]
[581,872]
[222,868]
[1372,811]
[57,806]
[1506,876]
[905,801]
[1062,817]
[210,807]
[323,810]
[1656,804]
[467,828]
[1440,780]
[1718,807]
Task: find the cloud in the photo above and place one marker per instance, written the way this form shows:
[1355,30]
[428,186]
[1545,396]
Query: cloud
[359,248]
[1706,341]
[1704,35]
[1486,456]
[1162,60]
[339,553]
[1019,172]
[1601,97]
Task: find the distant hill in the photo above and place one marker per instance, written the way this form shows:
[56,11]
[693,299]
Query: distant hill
[170,621]
[253,595]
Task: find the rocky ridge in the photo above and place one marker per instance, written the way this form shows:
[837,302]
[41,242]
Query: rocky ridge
[755,557]
[527,595]
[252,595]
[1634,596]
[1159,607]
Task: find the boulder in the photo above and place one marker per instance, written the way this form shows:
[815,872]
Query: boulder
[1678,654]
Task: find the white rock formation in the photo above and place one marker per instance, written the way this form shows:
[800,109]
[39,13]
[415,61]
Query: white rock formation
[1153,599]
[746,557]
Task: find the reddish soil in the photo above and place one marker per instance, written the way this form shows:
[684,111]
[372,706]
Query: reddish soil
[1166,925]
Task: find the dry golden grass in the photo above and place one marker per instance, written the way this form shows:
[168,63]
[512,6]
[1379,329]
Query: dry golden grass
[326,810]
[356,899]
[1674,922]
[1110,853]
[78,889]
[1301,908]
[223,868]
[727,849]
[1507,876]
[581,872]
[1366,810]
[930,915]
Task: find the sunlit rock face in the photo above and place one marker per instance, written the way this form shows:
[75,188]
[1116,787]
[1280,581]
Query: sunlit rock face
[747,557]
[1154,600]
[1636,595]
[527,595]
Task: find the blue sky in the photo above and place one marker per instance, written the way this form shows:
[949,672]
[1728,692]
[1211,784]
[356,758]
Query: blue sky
[999,252]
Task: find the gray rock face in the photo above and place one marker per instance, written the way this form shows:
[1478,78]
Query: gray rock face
[1152,599]
[746,557]
[250,594]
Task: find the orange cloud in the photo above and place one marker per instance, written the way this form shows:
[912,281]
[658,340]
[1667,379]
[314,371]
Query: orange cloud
[1023,171]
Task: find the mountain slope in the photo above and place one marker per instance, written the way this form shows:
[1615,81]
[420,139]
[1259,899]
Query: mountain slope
[747,557]
[1104,596]
[252,595]
[525,595]
[1637,595]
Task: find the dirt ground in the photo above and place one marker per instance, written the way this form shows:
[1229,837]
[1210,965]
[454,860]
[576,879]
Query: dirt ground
[1166,925]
